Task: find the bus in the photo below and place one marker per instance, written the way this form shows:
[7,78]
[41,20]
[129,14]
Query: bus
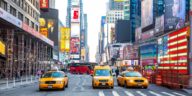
[81,68]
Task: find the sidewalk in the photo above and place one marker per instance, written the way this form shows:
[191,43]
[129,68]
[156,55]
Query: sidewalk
[7,84]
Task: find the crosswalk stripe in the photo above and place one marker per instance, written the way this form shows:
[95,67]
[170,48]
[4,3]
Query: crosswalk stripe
[115,93]
[101,93]
[140,93]
[167,94]
[128,93]
[154,93]
[178,94]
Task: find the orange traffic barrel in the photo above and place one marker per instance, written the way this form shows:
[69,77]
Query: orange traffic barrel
[158,80]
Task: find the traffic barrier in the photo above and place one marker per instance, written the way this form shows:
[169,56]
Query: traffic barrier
[158,80]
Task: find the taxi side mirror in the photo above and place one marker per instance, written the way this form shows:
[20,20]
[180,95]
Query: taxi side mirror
[66,76]
[91,75]
[113,74]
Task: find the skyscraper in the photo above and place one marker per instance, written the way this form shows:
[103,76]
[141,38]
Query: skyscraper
[114,5]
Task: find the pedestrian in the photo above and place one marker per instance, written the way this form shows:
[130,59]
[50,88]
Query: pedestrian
[117,71]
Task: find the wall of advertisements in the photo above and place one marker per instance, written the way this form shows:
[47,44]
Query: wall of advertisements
[75,29]
[44,4]
[173,51]
[175,12]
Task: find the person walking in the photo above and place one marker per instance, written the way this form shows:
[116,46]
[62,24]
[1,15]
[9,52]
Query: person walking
[117,71]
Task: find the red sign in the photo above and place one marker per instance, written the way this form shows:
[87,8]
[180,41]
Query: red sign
[44,4]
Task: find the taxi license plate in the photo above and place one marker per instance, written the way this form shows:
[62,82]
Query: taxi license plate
[50,86]
[103,84]
[139,84]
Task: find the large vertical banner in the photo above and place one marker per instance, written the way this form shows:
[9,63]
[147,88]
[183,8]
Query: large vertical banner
[75,45]
[2,48]
[43,27]
[75,14]
[175,12]
[65,39]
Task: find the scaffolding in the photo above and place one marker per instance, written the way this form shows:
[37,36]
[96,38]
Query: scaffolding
[24,54]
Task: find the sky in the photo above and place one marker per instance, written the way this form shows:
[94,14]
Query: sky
[94,10]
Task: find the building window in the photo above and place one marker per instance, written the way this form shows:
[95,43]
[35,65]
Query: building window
[20,16]
[12,11]
[21,3]
[26,20]
[36,27]
[3,4]
[32,25]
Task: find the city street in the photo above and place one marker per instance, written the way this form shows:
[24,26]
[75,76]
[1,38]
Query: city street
[80,85]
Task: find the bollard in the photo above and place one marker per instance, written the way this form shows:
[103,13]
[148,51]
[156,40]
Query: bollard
[21,81]
[14,81]
[31,79]
[7,82]
[26,79]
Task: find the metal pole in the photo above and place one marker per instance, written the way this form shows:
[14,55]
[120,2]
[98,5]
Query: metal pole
[14,81]
[7,82]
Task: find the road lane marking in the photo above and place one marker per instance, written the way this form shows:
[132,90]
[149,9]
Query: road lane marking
[101,93]
[154,93]
[178,94]
[128,93]
[167,94]
[140,93]
[115,93]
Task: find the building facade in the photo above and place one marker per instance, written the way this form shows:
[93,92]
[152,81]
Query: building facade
[115,5]
[27,50]
[114,15]
[126,9]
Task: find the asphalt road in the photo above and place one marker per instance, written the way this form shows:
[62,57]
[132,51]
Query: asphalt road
[80,85]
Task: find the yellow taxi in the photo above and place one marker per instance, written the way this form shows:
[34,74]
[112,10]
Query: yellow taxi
[53,80]
[102,77]
[132,79]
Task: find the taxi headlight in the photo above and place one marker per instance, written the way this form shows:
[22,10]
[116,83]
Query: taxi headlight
[146,81]
[111,79]
[96,80]
[129,80]
[59,82]
[41,82]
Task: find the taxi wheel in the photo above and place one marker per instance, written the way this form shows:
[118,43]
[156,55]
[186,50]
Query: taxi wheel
[40,89]
[63,87]
[67,85]
[145,87]
[112,87]
[125,85]
[118,83]
[93,87]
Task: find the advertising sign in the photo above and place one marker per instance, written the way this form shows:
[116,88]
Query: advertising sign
[10,18]
[75,30]
[44,4]
[138,34]
[2,48]
[75,14]
[44,31]
[75,2]
[175,50]
[103,21]
[82,38]
[159,24]
[147,13]
[119,0]
[65,39]
[148,54]
[75,45]
[175,11]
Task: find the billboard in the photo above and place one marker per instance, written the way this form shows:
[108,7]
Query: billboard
[2,48]
[75,45]
[138,34]
[147,13]
[75,30]
[103,21]
[44,4]
[75,2]
[119,0]
[49,25]
[83,38]
[65,39]
[159,24]
[75,14]
[175,51]
[175,11]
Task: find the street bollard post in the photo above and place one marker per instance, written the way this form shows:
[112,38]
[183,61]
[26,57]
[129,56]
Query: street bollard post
[31,79]
[26,79]
[21,81]
[7,82]
[14,81]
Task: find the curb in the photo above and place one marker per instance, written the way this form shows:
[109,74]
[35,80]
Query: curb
[18,86]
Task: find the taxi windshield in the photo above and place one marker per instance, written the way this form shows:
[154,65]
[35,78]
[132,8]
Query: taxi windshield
[133,74]
[53,75]
[103,72]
